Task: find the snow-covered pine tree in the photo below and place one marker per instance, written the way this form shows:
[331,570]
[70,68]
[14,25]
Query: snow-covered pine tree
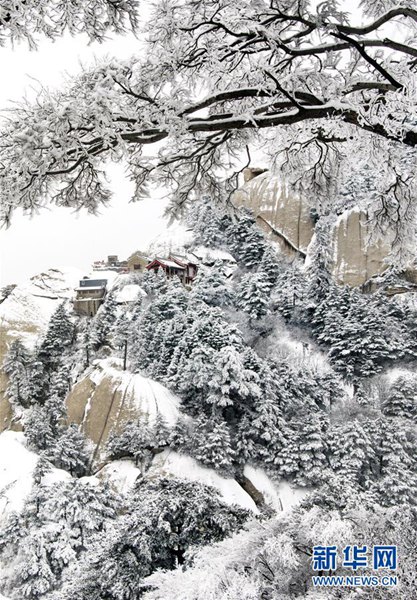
[211,442]
[359,341]
[290,291]
[104,321]
[40,429]
[135,441]
[212,287]
[232,384]
[150,338]
[154,282]
[161,431]
[71,451]
[164,519]
[330,314]
[58,338]
[410,324]
[253,295]
[270,433]
[192,361]
[270,266]
[396,453]
[206,224]
[311,427]
[319,278]
[245,240]
[287,461]
[122,331]
[83,508]
[401,397]
[25,383]
[351,452]
[181,434]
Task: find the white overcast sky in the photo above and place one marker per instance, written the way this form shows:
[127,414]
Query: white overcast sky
[60,237]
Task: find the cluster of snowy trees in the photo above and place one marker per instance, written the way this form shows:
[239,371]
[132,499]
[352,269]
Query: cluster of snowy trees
[214,346]
[38,383]
[343,429]
[77,539]
[272,559]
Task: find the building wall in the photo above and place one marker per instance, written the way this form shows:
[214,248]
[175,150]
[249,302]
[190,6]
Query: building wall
[87,308]
[137,263]
[89,294]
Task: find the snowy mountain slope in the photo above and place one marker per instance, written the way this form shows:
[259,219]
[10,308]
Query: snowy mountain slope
[107,398]
[27,310]
[17,465]
[176,238]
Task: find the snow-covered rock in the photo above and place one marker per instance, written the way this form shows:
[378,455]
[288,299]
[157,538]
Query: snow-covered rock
[120,474]
[108,397]
[26,311]
[355,258]
[280,212]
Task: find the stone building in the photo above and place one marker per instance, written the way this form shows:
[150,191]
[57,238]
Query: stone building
[137,262]
[89,296]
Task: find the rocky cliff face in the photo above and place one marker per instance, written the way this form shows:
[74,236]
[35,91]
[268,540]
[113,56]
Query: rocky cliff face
[355,260]
[289,221]
[285,217]
[107,398]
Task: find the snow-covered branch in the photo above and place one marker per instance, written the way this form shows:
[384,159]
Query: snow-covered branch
[217,76]
[27,19]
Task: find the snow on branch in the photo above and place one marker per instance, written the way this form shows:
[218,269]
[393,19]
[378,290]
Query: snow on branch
[26,19]
[217,77]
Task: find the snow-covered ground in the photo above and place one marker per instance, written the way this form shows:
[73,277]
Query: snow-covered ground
[180,465]
[129,293]
[17,465]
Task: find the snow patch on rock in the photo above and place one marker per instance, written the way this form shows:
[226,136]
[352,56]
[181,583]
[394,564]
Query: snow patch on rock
[146,395]
[281,496]
[179,465]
